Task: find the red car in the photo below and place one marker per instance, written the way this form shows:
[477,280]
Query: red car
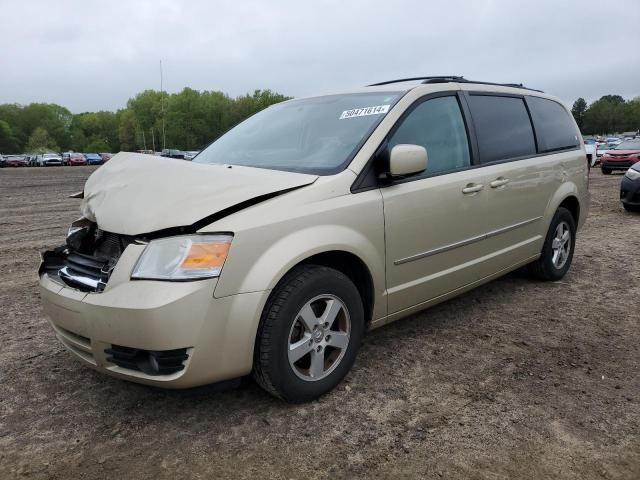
[621,157]
[77,159]
[16,161]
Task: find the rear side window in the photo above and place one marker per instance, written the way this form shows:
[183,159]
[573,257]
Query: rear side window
[437,125]
[502,127]
[554,129]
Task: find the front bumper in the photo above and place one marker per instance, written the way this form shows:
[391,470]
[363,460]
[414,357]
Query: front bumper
[617,165]
[217,333]
[630,191]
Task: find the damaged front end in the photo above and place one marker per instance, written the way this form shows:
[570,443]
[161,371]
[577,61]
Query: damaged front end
[88,257]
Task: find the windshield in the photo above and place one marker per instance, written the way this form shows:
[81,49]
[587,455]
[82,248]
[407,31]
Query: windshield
[50,155]
[628,145]
[316,135]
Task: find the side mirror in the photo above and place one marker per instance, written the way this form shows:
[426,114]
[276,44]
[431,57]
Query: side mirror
[406,159]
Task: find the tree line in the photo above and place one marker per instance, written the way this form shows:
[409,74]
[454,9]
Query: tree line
[609,114]
[187,120]
[190,119]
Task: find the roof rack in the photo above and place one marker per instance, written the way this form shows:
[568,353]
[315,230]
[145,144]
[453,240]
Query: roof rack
[450,78]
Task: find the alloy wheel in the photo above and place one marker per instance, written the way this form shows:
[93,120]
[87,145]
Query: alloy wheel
[561,245]
[319,337]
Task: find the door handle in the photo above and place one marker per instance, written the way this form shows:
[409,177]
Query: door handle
[472,188]
[499,182]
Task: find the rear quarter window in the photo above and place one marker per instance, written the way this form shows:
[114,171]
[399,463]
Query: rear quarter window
[503,127]
[555,130]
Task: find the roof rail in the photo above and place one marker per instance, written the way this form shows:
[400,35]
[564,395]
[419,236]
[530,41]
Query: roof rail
[452,78]
[442,78]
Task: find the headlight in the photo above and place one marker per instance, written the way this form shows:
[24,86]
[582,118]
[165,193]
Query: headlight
[183,258]
[632,174]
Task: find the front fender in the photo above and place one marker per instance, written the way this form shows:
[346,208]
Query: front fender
[265,271]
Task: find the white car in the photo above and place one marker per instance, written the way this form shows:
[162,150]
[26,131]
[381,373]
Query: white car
[49,160]
[603,148]
[590,149]
[188,155]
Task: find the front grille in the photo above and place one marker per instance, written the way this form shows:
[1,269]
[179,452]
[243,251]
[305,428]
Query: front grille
[151,362]
[85,272]
[87,260]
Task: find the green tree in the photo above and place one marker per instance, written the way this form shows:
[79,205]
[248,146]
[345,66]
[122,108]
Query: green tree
[605,115]
[41,142]
[126,131]
[578,110]
[96,146]
[191,119]
[8,141]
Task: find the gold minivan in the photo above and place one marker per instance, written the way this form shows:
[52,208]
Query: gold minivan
[319,218]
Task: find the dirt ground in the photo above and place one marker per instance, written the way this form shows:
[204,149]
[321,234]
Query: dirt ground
[517,379]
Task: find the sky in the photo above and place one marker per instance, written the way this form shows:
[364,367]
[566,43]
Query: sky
[93,55]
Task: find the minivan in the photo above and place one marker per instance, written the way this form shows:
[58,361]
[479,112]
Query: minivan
[310,223]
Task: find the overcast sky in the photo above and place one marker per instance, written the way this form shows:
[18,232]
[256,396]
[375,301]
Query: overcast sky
[92,55]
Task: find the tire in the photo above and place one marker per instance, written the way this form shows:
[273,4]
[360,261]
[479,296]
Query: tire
[606,171]
[316,290]
[631,208]
[545,268]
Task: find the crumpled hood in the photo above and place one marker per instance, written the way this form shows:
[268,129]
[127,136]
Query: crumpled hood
[135,193]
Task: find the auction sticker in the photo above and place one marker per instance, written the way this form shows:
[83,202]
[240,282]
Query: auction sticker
[363,112]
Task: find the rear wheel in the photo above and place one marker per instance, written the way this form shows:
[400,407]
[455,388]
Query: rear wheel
[606,171]
[557,251]
[309,334]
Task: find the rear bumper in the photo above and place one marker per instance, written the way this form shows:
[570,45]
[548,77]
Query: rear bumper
[217,334]
[630,192]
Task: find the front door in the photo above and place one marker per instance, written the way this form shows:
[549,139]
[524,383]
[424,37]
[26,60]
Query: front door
[435,223]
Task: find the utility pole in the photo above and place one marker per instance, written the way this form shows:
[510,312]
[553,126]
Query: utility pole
[144,141]
[153,139]
[164,145]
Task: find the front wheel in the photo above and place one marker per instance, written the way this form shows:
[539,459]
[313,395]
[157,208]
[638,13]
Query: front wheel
[309,334]
[606,171]
[631,208]
[557,251]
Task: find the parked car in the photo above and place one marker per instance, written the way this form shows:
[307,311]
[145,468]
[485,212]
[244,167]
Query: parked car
[106,156]
[77,159]
[65,157]
[590,150]
[309,223]
[172,153]
[3,162]
[190,154]
[49,160]
[32,160]
[621,157]
[16,161]
[601,149]
[93,159]
[613,141]
[630,189]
